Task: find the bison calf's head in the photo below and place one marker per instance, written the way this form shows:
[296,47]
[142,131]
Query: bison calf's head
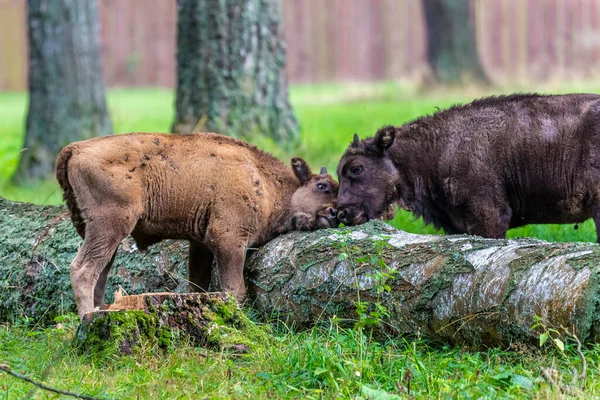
[314,203]
[368,180]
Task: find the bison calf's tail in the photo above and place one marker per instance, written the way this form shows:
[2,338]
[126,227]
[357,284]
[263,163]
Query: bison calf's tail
[62,175]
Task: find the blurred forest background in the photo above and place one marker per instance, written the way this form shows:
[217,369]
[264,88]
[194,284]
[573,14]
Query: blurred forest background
[340,40]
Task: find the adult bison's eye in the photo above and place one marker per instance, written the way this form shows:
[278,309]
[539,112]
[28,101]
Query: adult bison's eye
[357,169]
[321,186]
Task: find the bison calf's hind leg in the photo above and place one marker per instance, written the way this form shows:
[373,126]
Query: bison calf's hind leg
[199,267]
[100,288]
[90,268]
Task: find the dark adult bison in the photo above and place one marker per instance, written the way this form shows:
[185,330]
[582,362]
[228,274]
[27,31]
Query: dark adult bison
[221,194]
[481,168]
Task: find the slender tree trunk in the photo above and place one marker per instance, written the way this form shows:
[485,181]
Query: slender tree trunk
[66,87]
[450,288]
[230,69]
[451,46]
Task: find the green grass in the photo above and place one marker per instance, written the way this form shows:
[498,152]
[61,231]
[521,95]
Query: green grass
[325,362]
[329,115]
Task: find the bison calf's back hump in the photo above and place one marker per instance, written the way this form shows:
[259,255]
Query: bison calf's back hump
[484,167]
[221,194]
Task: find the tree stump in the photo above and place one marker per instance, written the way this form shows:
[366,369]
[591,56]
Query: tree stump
[163,320]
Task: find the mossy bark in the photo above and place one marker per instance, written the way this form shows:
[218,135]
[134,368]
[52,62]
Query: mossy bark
[451,288]
[458,289]
[66,88]
[231,70]
[37,245]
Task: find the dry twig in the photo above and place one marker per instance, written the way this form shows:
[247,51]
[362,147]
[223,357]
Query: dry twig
[6,368]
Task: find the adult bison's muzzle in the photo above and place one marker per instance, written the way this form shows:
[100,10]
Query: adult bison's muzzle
[352,215]
[369,185]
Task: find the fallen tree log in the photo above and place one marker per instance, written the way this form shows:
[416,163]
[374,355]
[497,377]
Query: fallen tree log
[457,289]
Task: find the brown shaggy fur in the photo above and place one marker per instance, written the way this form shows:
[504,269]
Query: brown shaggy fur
[481,168]
[221,194]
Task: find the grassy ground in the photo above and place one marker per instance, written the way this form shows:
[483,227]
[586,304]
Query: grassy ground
[325,362]
[328,361]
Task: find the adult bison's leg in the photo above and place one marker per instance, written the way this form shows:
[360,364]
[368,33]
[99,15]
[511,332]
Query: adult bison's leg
[100,288]
[199,267]
[488,218]
[597,223]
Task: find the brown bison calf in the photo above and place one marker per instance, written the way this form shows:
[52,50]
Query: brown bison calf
[482,168]
[220,194]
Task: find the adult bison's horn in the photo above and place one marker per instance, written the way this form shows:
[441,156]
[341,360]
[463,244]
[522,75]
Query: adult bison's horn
[356,141]
[323,170]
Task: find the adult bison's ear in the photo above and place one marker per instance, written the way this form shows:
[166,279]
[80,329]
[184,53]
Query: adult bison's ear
[301,170]
[384,138]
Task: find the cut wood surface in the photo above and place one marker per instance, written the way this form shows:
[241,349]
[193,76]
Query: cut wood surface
[456,289]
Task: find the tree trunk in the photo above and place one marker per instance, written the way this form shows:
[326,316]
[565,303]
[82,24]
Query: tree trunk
[450,288]
[451,46]
[66,87]
[230,70]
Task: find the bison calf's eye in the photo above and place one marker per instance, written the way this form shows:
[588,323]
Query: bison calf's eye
[356,170]
[321,186]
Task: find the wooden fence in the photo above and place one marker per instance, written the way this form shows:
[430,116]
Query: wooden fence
[341,40]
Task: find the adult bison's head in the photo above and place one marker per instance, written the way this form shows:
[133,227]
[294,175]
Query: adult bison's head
[314,204]
[368,179]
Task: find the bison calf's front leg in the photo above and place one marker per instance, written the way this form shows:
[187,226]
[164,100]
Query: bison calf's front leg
[303,222]
[230,262]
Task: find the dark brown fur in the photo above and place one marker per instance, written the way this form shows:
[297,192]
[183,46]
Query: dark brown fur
[481,168]
[221,194]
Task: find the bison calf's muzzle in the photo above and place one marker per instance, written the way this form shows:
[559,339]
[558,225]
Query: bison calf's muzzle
[221,194]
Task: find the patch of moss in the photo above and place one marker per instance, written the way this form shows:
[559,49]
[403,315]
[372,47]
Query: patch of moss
[228,326]
[208,320]
[117,333]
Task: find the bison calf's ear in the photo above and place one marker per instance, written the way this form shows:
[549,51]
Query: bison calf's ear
[301,169]
[384,138]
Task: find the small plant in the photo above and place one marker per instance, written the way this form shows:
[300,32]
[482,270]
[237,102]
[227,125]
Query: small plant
[559,337]
[370,313]
[548,333]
